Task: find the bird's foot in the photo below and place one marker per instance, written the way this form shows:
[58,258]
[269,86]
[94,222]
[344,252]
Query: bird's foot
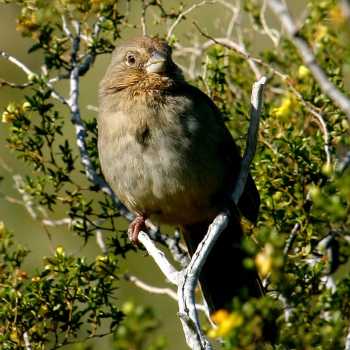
[137,225]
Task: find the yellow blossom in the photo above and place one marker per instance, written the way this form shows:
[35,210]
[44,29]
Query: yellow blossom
[284,109]
[303,72]
[345,124]
[219,316]
[226,322]
[7,117]
[2,227]
[60,250]
[314,191]
[14,335]
[26,106]
[321,32]
[264,260]
[128,307]
[337,15]
[327,169]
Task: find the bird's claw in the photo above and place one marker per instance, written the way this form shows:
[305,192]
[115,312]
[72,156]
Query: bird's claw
[137,225]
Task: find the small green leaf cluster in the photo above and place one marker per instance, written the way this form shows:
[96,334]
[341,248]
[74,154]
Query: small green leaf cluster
[67,298]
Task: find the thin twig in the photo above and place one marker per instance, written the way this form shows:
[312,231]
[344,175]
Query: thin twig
[273,34]
[347,340]
[185,13]
[26,341]
[344,163]
[345,7]
[151,289]
[143,17]
[16,62]
[340,99]
[14,85]
[160,259]
[26,198]
[100,241]
[31,74]
[256,106]
[291,239]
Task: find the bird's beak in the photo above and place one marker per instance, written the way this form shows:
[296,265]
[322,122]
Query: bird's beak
[156,63]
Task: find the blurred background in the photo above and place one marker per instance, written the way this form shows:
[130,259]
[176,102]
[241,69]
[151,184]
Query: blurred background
[31,233]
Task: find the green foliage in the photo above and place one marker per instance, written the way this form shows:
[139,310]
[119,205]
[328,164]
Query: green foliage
[53,305]
[135,332]
[302,235]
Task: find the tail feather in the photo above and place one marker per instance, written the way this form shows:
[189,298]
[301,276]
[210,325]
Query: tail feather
[223,275]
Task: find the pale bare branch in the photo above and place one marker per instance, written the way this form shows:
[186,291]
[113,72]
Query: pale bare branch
[185,13]
[339,98]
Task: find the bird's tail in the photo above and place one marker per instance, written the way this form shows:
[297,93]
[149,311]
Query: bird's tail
[223,275]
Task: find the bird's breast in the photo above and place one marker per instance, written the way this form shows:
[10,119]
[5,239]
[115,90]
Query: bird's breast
[155,168]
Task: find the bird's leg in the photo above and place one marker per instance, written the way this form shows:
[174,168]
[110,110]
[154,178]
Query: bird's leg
[137,225]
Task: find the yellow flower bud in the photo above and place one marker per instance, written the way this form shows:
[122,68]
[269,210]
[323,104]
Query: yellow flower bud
[60,250]
[226,322]
[314,191]
[7,117]
[128,307]
[345,124]
[321,32]
[284,109]
[2,227]
[31,77]
[264,260]
[220,316]
[327,169]
[26,106]
[303,72]
[11,108]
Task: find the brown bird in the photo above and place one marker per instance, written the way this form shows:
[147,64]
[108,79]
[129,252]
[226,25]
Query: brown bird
[167,154]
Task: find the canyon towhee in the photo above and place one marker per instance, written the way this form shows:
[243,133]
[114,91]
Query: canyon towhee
[167,154]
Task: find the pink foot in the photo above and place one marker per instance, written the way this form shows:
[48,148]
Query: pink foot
[135,227]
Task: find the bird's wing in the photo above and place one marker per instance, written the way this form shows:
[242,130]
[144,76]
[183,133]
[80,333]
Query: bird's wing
[230,153]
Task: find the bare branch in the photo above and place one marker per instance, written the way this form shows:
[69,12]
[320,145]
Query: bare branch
[273,34]
[16,62]
[291,239]
[159,257]
[187,285]
[185,13]
[27,198]
[60,222]
[14,85]
[143,17]
[151,289]
[27,344]
[345,7]
[344,163]
[252,64]
[100,241]
[340,99]
[256,105]
[347,341]
[235,9]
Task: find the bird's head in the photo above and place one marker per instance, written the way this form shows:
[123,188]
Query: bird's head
[141,64]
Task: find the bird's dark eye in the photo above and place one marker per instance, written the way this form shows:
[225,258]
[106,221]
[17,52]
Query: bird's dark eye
[130,59]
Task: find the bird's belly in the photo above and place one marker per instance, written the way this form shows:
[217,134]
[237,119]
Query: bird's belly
[162,181]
